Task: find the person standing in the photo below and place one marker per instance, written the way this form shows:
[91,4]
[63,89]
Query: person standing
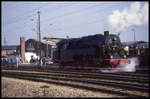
[126,49]
[17,61]
[11,61]
[44,62]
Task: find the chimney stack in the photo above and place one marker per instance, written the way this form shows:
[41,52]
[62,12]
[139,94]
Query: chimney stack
[67,37]
[22,48]
[106,33]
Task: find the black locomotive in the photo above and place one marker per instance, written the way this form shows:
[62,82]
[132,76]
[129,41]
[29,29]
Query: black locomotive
[94,50]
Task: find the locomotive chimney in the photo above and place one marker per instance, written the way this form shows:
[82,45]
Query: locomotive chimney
[22,48]
[106,33]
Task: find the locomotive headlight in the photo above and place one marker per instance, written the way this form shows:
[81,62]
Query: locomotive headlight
[114,39]
[125,56]
[113,48]
[111,56]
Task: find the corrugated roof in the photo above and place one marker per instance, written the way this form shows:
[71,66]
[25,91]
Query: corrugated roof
[132,42]
[143,44]
[10,47]
[49,41]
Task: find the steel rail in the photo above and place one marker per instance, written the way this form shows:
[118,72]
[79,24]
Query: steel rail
[109,77]
[77,86]
[78,72]
[131,86]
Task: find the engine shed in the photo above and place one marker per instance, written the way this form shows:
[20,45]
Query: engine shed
[46,46]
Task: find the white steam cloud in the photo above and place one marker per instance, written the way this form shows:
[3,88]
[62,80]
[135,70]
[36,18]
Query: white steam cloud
[129,66]
[136,15]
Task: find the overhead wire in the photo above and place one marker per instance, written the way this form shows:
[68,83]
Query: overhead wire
[23,18]
[73,12]
[76,11]
[65,14]
[28,17]
[69,13]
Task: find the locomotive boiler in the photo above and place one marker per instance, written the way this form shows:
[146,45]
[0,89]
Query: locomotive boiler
[94,50]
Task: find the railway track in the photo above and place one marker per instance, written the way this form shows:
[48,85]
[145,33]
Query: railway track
[121,74]
[93,77]
[105,83]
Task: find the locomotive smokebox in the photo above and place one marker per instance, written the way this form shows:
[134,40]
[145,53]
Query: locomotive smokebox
[106,33]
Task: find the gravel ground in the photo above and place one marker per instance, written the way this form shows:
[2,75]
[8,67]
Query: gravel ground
[23,88]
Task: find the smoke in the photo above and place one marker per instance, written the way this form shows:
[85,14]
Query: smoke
[135,15]
[129,66]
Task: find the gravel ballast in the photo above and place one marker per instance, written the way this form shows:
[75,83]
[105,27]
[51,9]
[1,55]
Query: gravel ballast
[12,87]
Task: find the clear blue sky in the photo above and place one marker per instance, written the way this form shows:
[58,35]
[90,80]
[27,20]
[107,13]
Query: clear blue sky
[59,19]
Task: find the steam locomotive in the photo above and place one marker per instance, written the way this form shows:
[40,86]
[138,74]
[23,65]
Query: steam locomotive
[94,50]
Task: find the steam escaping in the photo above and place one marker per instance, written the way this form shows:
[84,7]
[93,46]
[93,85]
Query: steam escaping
[129,66]
[136,15]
